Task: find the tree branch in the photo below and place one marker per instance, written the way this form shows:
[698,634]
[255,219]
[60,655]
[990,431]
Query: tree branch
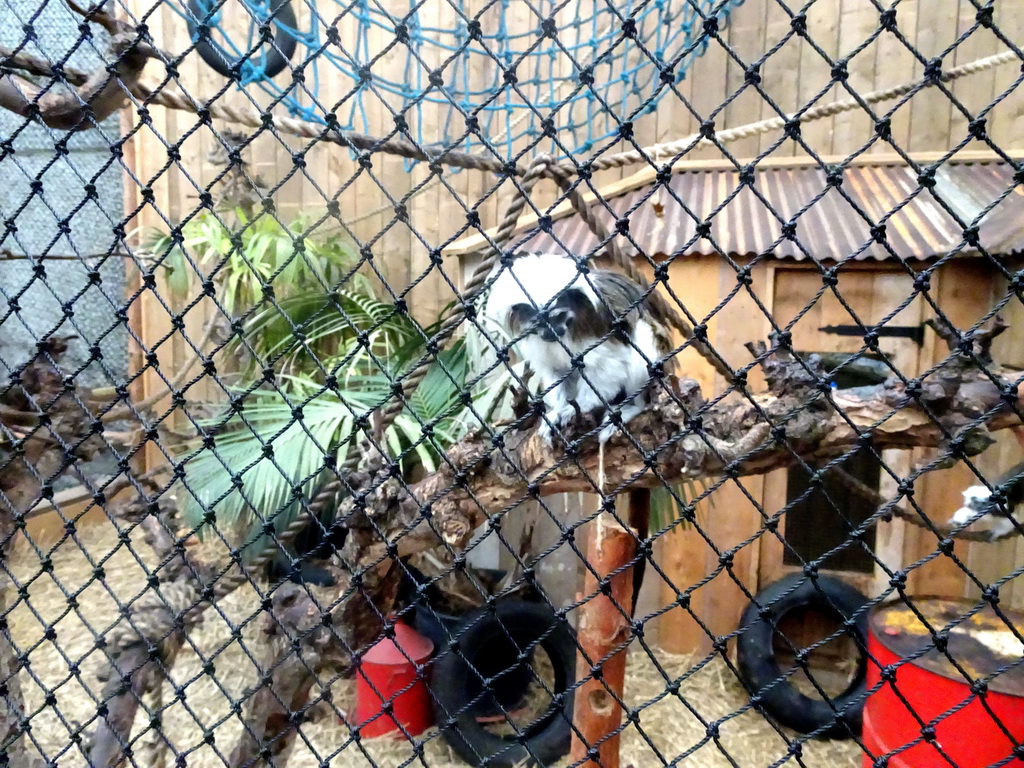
[171,387]
[28,64]
[678,439]
[95,97]
[100,96]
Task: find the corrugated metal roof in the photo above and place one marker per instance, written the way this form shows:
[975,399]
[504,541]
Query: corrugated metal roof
[827,223]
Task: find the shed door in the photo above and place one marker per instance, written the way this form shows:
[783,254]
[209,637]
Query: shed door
[820,517]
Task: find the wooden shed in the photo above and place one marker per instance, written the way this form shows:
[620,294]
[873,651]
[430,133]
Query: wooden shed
[895,235]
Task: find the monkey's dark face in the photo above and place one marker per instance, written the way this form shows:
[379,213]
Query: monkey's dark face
[570,316]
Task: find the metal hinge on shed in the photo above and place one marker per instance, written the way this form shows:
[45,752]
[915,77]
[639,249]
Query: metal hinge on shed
[913,332]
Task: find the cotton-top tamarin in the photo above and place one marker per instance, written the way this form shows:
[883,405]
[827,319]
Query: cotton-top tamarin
[555,313]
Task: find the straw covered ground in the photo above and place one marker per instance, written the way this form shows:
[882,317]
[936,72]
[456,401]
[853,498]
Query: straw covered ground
[672,724]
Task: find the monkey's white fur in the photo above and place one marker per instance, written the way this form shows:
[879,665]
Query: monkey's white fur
[610,369]
[975,500]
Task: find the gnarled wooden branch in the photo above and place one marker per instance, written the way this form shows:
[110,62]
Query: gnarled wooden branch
[169,388]
[679,439]
[43,429]
[100,96]
[978,343]
[95,97]
[141,648]
[298,645]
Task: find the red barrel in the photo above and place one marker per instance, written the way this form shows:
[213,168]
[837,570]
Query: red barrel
[387,678]
[972,737]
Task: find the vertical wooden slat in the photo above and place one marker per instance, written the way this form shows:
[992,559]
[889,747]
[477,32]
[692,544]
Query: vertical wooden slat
[431,294]
[708,91]
[973,94]
[857,23]
[992,562]
[645,127]
[730,515]
[480,76]
[131,200]
[894,64]
[148,154]
[1008,350]
[823,26]
[359,207]
[889,291]
[746,39]
[955,291]
[727,517]
[929,109]
[677,555]
[1006,124]
[393,252]
[771,547]
[777,75]
[674,118]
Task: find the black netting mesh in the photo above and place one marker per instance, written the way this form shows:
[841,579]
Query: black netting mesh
[471,382]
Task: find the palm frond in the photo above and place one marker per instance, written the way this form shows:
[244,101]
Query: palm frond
[325,321]
[265,460]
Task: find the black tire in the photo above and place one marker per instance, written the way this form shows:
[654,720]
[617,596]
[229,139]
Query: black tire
[760,670]
[277,56]
[483,650]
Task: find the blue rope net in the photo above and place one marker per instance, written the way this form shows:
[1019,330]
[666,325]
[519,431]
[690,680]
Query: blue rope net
[521,68]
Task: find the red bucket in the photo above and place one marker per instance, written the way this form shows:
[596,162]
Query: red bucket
[972,737]
[387,679]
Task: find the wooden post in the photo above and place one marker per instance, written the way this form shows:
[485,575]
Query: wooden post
[603,634]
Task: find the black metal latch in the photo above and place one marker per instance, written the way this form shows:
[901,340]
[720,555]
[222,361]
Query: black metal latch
[913,332]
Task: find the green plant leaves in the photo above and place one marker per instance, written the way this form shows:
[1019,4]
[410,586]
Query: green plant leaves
[325,325]
[245,252]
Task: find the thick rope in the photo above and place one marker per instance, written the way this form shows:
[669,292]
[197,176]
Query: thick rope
[437,180]
[176,99]
[697,140]
[173,98]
